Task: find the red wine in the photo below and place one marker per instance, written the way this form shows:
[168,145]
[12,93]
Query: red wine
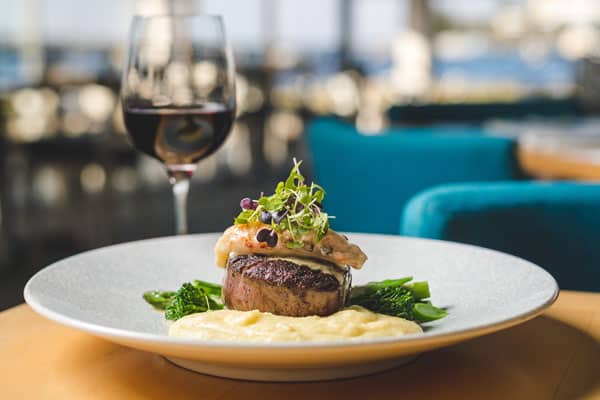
[178,136]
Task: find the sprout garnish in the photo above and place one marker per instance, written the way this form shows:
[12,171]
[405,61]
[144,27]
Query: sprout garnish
[295,207]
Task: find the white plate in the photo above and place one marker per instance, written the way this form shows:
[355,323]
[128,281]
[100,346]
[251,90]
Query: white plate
[100,292]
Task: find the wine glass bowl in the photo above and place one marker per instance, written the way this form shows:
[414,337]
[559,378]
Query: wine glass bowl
[178,94]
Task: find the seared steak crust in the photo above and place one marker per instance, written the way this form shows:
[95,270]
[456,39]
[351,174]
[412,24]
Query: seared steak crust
[285,273]
[282,287]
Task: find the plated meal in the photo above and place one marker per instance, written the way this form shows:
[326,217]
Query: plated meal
[288,278]
[98,292]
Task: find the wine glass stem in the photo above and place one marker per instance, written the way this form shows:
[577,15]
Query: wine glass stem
[180,184]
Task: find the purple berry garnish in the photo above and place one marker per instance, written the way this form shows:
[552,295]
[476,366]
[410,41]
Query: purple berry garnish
[248,204]
[267,236]
[278,216]
[272,239]
[261,236]
[265,217]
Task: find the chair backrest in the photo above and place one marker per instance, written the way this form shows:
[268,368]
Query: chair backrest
[555,225]
[369,178]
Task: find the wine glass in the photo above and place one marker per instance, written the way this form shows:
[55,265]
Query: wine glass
[178,94]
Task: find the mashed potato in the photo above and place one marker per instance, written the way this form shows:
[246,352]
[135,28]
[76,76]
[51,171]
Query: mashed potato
[255,326]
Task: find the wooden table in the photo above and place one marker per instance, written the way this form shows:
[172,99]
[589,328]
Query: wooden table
[560,157]
[555,356]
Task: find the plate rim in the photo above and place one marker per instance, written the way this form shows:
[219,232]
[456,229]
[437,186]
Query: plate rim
[165,340]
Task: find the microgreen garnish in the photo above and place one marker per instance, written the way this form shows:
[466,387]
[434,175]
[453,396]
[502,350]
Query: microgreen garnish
[295,207]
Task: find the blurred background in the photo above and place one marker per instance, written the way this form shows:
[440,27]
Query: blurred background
[70,181]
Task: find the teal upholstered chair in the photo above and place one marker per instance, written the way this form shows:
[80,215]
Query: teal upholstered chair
[556,225]
[369,178]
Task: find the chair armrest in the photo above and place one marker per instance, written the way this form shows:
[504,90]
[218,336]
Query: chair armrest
[556,225]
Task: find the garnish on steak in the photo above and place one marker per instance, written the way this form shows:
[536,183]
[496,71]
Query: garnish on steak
[245,239]
[282,259]
[280,253]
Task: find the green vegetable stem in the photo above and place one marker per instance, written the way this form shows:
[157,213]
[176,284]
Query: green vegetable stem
[159,299]
[192,297]
[398,298]
[395,297]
